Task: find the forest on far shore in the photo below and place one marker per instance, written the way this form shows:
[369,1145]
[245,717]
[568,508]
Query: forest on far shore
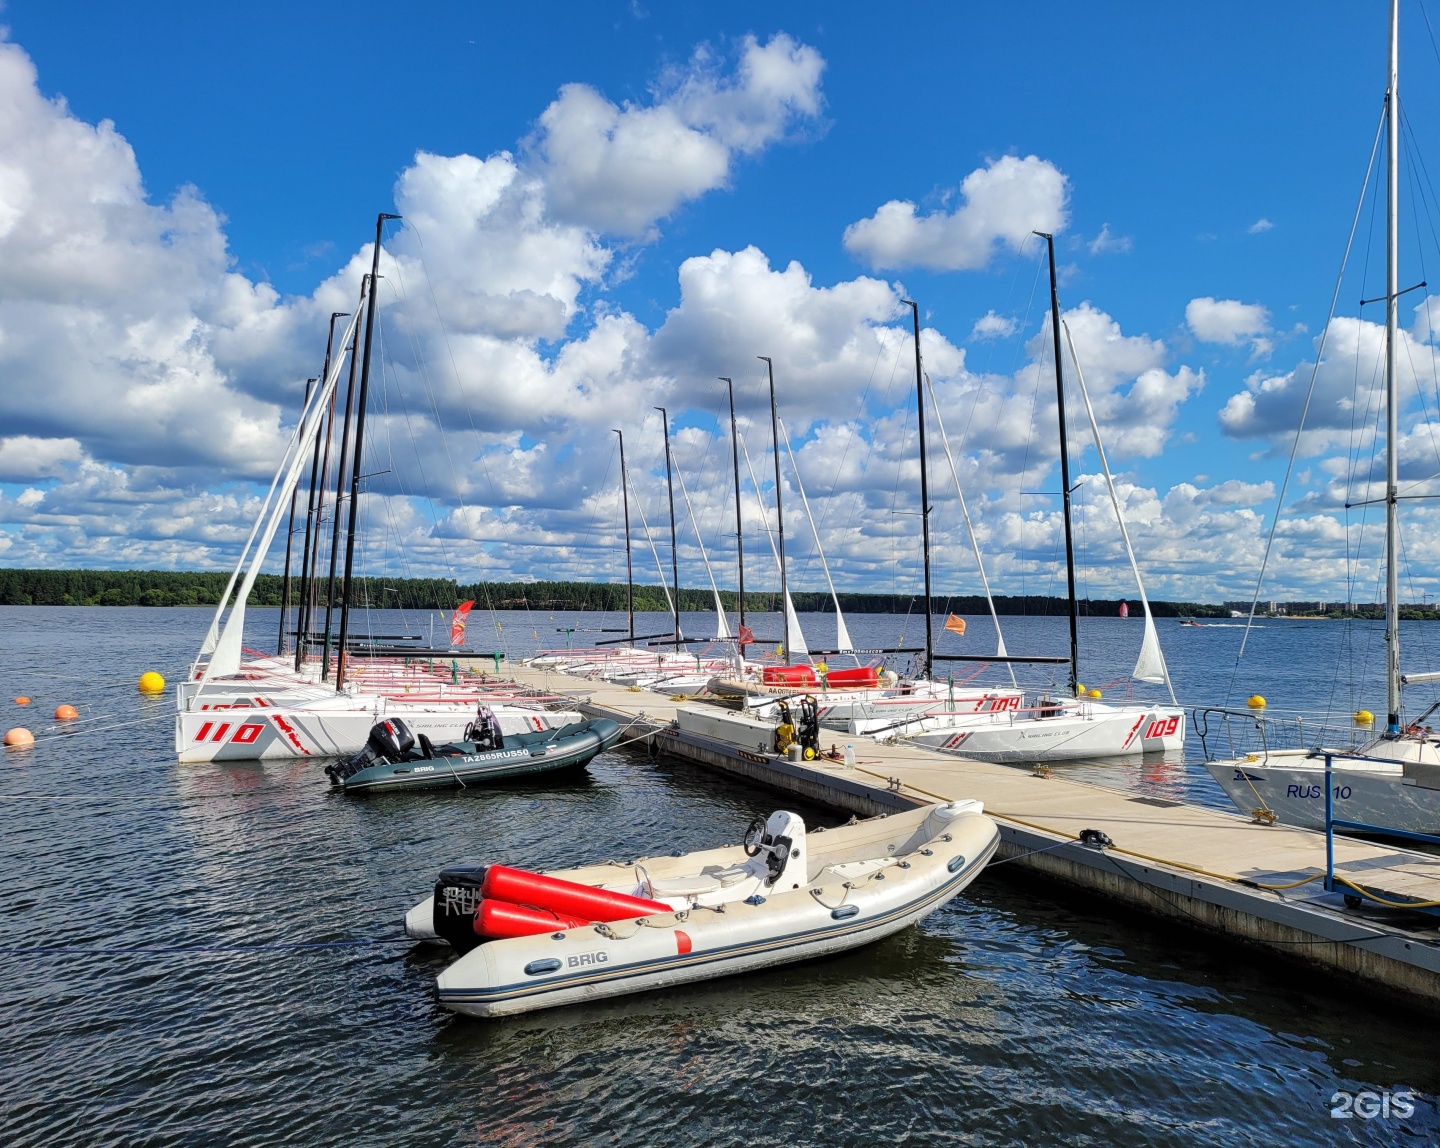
[203,588]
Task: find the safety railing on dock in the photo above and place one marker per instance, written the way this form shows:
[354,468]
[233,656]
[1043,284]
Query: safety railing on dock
[1354,893]
[1235,733]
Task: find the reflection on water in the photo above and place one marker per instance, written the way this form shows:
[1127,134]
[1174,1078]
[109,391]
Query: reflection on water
[1018,1014]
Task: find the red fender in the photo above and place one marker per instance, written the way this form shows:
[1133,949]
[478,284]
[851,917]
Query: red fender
[503,883]
[496,919]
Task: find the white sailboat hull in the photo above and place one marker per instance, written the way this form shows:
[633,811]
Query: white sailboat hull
[340,727]
[1291,784]
[1090,730]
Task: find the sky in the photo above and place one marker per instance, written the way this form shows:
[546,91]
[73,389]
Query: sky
[608,206]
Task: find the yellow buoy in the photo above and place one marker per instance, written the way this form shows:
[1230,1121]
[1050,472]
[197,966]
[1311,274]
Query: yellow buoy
[1079,690]
[151,683]
[1256,702]
[19,736]
[822,667]
[1364,717]
[1092,693]
[66,713]
[22,700]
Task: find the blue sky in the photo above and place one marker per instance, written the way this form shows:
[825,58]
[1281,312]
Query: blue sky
[1200,166]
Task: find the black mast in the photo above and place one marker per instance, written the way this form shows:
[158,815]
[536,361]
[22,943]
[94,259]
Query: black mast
[739,525]
[629,568]
[329,434]
[674,554]
[302,623]
[355,463]
[779,510]
[340,489]
[289,541]
[1064,472]
[924,493]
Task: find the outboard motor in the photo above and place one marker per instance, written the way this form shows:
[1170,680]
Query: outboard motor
[457,897]
[389,740]
[485,731]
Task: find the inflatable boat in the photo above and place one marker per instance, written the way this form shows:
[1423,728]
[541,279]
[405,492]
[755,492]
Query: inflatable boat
[530,941]
[394,758]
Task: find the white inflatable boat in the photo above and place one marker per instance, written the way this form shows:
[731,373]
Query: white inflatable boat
[531,941]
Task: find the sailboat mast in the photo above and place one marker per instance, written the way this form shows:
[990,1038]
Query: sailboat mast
[302,614]
[355,462]
[1392,421]
[329,434]
[739,525]
[924,493]
[340,489]
[289,545]
[674,556]
[779,509]
[1064,470]
[629,565]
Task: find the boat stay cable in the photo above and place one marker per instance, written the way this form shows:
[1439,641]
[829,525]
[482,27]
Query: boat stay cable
[722,629]
[1000,649]
[659,566]
[797,637]
[842,635]
[1305,408]
[1150,667]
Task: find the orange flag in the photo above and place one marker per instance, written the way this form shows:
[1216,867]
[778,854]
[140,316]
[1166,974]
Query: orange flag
[955,624]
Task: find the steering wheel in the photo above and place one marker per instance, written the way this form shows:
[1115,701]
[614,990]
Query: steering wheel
[754,835]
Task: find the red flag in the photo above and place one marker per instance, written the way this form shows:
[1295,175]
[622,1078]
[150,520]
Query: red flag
[747,636]
[457,623]
[955,624]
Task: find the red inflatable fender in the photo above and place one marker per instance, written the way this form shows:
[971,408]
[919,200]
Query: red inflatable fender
[788,676]
[568,898]
[858,676]
[497,919]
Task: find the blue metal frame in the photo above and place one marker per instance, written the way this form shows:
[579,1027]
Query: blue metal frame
[1379,830]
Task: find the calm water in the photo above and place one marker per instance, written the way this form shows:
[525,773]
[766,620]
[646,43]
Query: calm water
[1018,1014]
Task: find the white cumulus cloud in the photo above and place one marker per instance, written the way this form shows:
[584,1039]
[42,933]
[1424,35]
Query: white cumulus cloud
[1003,203]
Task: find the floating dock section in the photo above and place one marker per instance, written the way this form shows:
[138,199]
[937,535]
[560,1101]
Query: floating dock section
[1217,871]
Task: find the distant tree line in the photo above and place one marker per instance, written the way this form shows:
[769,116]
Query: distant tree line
[186,588]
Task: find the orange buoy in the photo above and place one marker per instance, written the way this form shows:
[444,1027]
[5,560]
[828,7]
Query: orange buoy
[66,713]
[22,700]
[18,736]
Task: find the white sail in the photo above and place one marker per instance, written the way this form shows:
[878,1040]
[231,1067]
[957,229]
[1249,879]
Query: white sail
[225,658]
[212,635]
[797,636]
[722,629]
[1151,664]
[842,635]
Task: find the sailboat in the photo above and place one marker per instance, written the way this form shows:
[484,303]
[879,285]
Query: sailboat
[1073,725]
[231,709]
[1392,780]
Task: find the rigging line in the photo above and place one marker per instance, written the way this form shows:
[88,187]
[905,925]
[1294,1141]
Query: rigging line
[664,585]
[720,613]
[842,636]
[970,528]
[1305,410]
